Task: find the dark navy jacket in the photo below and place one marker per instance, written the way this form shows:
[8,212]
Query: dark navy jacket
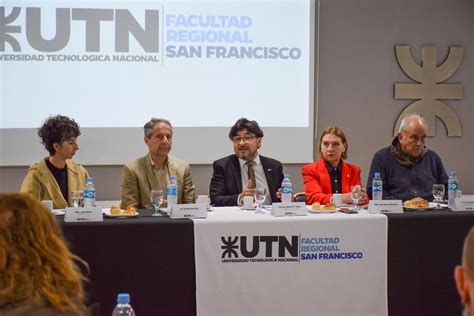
[405,183]
[226,182]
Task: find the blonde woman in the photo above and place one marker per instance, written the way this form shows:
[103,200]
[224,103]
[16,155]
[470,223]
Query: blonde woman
[331,174]
[38,273]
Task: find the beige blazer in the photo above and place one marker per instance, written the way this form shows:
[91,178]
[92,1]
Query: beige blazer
[138,180]
[40,183]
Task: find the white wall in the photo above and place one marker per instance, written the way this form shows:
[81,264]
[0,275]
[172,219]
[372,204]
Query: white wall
[357,73]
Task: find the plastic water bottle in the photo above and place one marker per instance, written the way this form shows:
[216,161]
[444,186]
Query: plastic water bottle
[377,187]
[286,189]
[123,307]
[172,193]
[89,193]
[453,187]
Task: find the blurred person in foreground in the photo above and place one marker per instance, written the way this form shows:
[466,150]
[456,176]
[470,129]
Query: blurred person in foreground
[464,275]
[331,174]
[153,171]
[56,176]
[407,167]
[38,273]
[237,175]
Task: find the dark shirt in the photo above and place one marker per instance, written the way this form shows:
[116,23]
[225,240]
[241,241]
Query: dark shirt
[335,175]
[60,174]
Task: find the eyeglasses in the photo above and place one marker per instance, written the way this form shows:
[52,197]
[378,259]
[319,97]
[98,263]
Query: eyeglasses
[246,139]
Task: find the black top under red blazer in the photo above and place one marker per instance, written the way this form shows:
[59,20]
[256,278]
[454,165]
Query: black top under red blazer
[317,182]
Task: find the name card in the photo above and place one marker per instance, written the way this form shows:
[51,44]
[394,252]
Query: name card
[464,204]
[83,214]
[385,206]
[289,209]
[188,211]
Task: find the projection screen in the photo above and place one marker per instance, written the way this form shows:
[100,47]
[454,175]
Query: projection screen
[112,65]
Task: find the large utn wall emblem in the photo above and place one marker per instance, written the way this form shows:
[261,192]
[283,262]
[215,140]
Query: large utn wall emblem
[428,91]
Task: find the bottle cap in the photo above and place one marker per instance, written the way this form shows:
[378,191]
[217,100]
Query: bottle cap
[453,173]
[123,298]
[90,179]
[286,176]
[172,177]
[377,174]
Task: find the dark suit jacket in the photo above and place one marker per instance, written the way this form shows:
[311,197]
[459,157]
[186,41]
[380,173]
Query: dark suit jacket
[226,182]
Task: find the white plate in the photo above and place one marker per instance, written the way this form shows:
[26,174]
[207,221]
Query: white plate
[247,209]
[344,207]
[431,206]
[106,212]
[264,207]
[58,212]
[322,211]
[442,205]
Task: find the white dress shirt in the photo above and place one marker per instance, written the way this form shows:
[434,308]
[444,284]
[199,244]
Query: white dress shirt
[260,178]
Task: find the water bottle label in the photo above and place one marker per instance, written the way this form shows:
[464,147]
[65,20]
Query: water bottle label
[89,194]
[172,191]
[286,189]
[452,186]
[376,188]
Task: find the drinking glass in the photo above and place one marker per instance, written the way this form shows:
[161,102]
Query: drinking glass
[356,195]
[438,193]
[156,197]
[260,195]
[77,198]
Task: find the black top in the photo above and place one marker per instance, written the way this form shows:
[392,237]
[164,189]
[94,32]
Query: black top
[60,174]
[335,175]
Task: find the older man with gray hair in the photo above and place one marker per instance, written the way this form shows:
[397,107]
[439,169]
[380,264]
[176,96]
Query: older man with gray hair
[464,275]
[408,169]
[153,171]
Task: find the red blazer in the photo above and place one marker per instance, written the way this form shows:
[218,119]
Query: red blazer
[317,183]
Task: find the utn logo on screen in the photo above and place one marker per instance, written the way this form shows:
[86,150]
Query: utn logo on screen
[279,249]
[143,32]
[79,34]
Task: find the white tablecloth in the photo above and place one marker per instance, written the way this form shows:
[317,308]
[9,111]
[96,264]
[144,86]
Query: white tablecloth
[320,264]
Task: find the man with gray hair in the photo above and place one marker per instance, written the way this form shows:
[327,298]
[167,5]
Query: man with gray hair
[408,169]
[153,171]
[464,275]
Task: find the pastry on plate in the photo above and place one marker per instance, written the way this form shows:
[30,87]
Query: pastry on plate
[328,207]
[130,210]
[416,203]
[115,210]
[316,206]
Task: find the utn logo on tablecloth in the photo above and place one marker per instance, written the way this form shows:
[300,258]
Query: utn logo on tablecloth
[279,249]
[261,249]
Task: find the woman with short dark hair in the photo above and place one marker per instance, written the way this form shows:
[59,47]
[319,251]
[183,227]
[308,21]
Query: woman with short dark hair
[56,176]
